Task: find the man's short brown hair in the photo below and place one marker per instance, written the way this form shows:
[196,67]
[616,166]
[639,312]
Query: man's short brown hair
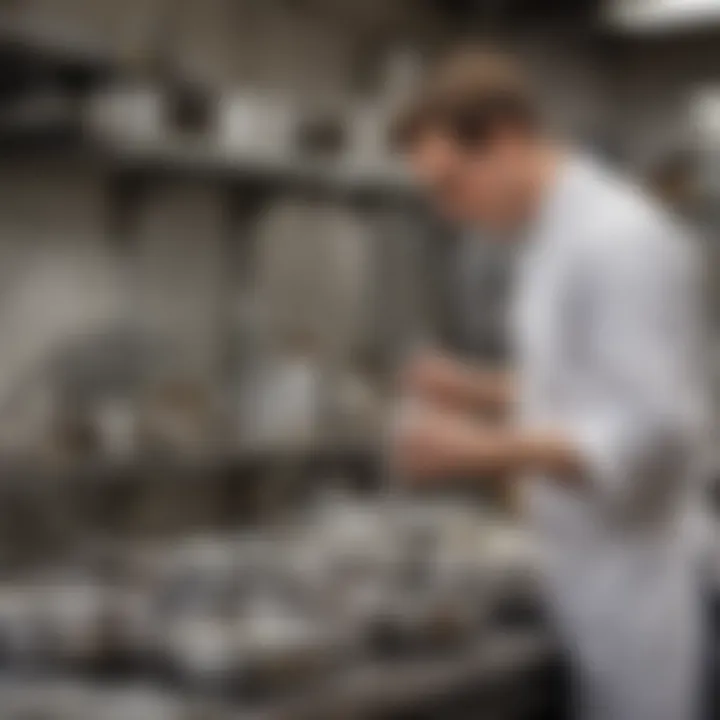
[469,96]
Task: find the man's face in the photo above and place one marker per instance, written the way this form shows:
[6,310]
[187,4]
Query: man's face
[471,185]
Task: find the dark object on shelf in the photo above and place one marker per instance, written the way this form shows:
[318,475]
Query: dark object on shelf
[34,54]
[521,610]
[321,136]
[190,108]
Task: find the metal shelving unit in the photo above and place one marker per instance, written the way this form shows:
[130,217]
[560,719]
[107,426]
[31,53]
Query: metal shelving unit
[213,161]
[248,181]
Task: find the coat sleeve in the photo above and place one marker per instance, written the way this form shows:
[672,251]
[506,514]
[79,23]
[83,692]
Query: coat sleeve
[642,413]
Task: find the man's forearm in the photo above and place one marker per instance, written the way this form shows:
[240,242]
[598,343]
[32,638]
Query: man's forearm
[435,443]
[520,453]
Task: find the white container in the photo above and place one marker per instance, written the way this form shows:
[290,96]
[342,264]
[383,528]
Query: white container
[256,123]
[281,409]
[127,113]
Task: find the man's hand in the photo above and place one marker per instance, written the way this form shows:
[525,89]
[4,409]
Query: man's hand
[429,443]
[445,382]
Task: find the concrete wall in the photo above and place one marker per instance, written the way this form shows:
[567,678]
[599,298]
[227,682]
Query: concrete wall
[58,274]
[570,72]
[307,45]
[655,81]
[178,272]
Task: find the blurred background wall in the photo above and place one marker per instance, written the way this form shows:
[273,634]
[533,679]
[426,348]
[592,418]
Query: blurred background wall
[193,192]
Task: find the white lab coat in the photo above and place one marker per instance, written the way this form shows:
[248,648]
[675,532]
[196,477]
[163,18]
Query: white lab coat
[607,335]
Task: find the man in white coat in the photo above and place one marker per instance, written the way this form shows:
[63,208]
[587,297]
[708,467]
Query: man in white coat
[605,415]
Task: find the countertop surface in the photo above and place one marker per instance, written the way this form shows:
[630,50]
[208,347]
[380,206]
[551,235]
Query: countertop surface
[504,663]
